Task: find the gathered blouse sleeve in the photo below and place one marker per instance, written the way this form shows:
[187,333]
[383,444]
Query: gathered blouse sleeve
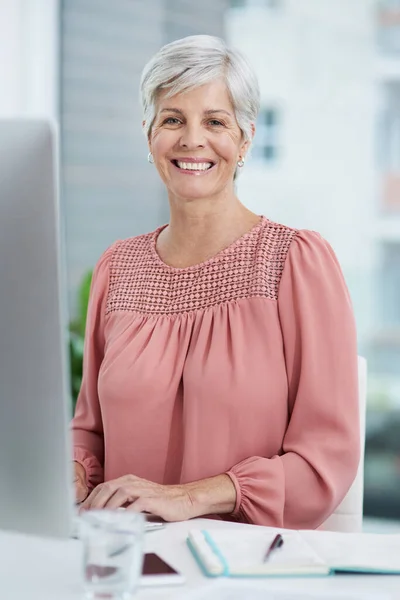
[302,486]
[87,426]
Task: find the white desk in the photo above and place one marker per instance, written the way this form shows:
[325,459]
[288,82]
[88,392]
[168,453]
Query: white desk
[41,569]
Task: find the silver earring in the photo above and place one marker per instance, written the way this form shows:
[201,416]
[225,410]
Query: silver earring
[150,158]
[240,163]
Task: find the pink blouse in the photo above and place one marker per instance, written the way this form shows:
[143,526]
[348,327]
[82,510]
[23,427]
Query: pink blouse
[245,364]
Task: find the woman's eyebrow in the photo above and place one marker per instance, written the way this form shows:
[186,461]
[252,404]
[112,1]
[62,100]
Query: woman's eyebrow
[217,110]
[174,110]
[206,112]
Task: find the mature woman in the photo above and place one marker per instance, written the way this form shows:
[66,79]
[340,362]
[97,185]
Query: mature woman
[220,368]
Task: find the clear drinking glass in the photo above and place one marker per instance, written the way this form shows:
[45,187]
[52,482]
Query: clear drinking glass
[112,553]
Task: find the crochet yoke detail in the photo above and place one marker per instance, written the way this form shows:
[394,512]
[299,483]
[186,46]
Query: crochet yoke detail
[250,267]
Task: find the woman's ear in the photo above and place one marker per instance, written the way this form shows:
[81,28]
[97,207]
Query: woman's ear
[148,133]
[245,146]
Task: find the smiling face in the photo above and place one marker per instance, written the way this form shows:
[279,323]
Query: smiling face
[196,142]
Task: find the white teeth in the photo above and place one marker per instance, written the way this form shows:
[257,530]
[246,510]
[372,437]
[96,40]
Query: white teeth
[194,166]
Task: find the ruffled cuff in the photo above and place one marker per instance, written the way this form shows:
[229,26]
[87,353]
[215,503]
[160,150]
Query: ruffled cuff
[234,479]
[93,470]
[260,491]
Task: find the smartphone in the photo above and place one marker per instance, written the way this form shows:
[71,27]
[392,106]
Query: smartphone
[153,525]
[156,571]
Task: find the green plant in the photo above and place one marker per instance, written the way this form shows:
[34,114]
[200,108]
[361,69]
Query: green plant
[77,338]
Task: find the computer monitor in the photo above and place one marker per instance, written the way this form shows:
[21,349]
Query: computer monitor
[36,494]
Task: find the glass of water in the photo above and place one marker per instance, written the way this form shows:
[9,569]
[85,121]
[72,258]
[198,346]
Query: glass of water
[112,553]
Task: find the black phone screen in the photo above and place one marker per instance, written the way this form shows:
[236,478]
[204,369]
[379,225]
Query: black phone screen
[155,565]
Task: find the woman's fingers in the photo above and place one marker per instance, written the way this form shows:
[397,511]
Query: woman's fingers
[100,495]
[121,497]
[81,491]
[81,488]
[103,495]
[171,503]
[134,493]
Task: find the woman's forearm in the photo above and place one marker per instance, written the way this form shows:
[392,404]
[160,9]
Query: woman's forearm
[215,495]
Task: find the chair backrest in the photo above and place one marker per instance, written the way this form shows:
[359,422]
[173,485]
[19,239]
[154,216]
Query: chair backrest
[349,514]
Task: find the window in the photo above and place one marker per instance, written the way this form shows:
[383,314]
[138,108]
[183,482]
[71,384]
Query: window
[390,144]
[385,348]
[389,4]
[388,23]
[265,146]
[388,147]
[256,3]
[390,288]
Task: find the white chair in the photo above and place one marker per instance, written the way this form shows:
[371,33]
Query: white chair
[348,516]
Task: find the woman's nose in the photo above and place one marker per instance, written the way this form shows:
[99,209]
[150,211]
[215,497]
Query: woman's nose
[192,136]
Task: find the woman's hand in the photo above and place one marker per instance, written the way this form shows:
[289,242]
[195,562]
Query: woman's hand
[81,488]
[170,502]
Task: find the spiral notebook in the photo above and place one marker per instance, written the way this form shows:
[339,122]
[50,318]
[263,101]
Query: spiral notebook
[240,553]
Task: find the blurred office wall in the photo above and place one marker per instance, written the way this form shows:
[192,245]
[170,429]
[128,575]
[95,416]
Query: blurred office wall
[326,156]
[313,160]
[110,191]
[29,58]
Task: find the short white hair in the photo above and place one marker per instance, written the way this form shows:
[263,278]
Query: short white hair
[194,61]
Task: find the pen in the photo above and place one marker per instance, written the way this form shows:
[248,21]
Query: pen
[276,543]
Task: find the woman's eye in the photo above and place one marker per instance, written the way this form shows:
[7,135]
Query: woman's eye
[215,122]
[171,121]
